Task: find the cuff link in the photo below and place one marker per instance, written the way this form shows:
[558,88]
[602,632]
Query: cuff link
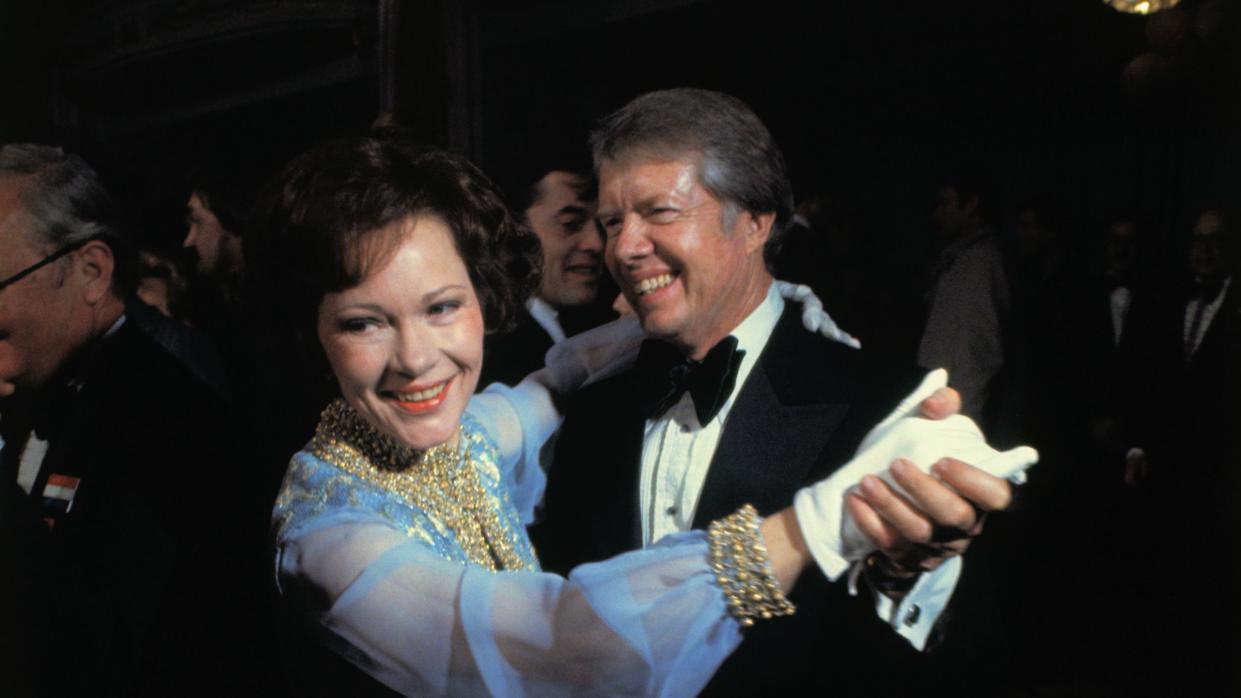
[912,615]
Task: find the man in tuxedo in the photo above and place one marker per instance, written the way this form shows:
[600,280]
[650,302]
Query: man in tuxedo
[1190,359]
[1211,313]
[692,191]
[1184,463]
[125,475]
[555,191]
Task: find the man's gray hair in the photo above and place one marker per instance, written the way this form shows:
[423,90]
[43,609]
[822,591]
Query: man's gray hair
[738,160]
[62,195]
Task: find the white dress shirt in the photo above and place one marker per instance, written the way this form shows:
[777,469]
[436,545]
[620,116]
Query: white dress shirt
[1121,299]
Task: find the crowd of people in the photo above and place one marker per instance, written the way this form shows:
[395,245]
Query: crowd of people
[593,431]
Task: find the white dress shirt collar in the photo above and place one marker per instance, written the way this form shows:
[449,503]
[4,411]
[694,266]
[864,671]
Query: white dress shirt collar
[547,317]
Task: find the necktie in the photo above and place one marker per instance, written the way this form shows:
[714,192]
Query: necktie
[667,375]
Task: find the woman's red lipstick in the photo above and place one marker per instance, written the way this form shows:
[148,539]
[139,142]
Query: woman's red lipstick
[421,406]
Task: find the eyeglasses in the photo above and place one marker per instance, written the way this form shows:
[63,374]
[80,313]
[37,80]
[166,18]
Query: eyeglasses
[40,264]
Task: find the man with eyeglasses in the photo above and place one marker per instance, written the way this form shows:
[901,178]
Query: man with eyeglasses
[113,459]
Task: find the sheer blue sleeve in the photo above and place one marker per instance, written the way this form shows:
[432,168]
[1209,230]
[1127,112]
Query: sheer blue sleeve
[519,420]
[651,622]
[522,418]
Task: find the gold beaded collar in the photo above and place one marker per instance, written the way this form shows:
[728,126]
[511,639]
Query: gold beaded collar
[442,482]
[339,422]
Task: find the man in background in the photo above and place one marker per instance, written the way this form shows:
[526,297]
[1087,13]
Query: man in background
[556,196]
[129,473]
[969,301]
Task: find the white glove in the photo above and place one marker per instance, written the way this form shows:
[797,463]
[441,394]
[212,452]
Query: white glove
[813,316]
[593,355]
[832,536]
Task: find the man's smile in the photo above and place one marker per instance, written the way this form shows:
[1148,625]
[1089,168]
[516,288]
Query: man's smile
[654,283]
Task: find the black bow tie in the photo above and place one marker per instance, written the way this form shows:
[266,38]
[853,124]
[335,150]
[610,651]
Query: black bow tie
[667,375]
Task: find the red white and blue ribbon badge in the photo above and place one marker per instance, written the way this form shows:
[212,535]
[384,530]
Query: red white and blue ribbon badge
[61,488]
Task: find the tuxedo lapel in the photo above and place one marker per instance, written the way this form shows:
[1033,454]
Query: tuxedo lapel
[784,415]
[1219,340]
[766,449]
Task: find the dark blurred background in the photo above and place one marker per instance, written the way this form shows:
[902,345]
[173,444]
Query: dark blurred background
[1069,107]
[869,100]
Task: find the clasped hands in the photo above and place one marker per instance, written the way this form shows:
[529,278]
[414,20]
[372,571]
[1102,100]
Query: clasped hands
[917,491]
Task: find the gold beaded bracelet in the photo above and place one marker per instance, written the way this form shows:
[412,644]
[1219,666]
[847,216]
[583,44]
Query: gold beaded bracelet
[743,569]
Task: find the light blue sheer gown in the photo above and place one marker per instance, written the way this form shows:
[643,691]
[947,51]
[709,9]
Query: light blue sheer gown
[404,599]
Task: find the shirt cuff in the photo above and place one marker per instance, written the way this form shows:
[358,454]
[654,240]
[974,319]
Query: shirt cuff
[915,615]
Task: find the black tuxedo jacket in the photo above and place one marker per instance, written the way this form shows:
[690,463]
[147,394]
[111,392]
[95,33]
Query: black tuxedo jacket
[509,357]
[1215,365]
[153,572]
[1209,411]
[800,414]
[1188,438]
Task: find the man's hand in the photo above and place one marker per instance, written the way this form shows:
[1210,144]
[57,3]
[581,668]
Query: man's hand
[942,403]
[937,516]
[1137,467]
[943,513]
[6,388]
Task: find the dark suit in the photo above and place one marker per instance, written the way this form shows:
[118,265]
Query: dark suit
[154,568]
[1211,375]
[1211,386]
[1196,471]
[1187,414]
[1203,387]
[24,594]
[513,355]
[800,414]
[509,357]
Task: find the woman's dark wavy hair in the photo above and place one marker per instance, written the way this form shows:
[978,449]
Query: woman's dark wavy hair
[322,225]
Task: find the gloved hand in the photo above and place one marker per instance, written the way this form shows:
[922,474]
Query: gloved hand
[813,316]
[832,537]
[593,355]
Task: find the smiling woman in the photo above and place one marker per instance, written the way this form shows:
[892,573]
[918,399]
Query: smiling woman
[406,343]
[400,528]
